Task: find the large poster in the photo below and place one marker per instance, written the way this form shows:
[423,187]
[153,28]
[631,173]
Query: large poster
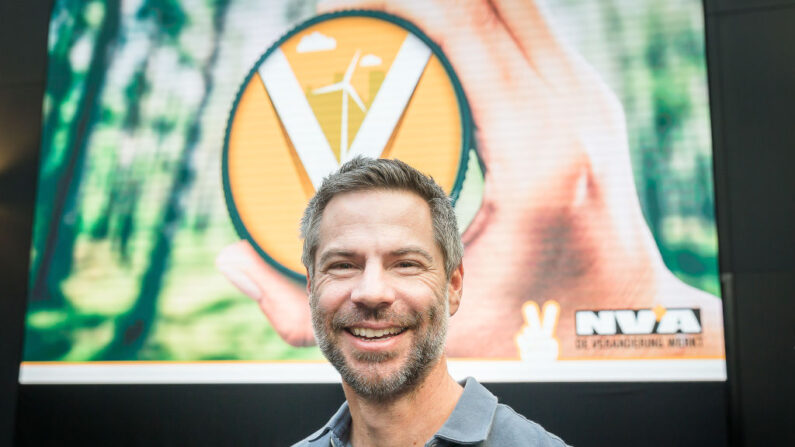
[182,140]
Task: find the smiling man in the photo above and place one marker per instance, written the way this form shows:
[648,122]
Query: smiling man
[384,275]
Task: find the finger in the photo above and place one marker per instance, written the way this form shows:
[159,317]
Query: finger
[550,313]
[596,110]
[555,61]
[532,317]
[529,24]
[283,301]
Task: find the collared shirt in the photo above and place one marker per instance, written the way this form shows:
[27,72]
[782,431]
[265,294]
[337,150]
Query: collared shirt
[476,420]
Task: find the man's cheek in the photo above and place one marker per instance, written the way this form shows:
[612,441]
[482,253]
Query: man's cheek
[321,319]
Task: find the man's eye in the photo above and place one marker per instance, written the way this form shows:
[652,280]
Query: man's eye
[342,266]
[407,264]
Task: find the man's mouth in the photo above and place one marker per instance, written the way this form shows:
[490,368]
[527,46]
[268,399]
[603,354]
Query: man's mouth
[375,334]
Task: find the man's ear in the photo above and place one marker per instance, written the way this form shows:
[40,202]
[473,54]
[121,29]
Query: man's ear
[455,288]
[308,284]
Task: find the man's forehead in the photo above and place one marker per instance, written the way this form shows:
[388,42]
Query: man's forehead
[374,203]
[376,215]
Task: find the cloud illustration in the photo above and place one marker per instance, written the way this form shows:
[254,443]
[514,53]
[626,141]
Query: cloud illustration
[370,60]
[316,41]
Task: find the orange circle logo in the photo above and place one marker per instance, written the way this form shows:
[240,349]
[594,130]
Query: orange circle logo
[337,86]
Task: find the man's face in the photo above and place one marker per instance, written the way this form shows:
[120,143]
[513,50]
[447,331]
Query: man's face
[380,298]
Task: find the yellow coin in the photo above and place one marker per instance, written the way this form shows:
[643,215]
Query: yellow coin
[335,87]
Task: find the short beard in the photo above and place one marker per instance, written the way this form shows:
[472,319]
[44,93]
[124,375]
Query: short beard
[424,352]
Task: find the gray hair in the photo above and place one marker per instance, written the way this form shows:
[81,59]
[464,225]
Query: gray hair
[363,174]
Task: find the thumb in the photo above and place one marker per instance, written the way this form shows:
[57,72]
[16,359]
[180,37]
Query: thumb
[282,300]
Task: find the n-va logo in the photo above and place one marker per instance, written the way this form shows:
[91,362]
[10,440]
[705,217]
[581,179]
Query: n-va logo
[337,86]
[638,322]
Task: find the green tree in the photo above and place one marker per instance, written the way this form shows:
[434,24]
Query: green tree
[57,215]
[134,326]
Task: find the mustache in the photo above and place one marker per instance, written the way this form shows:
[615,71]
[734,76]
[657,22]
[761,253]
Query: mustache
[351,317]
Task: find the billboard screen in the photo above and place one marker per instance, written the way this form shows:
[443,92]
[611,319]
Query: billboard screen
[182,140]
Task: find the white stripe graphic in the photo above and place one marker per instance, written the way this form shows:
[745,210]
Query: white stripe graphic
[297,117]
[391,99]
[378,125]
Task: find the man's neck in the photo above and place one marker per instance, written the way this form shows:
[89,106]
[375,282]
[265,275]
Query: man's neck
[410,419]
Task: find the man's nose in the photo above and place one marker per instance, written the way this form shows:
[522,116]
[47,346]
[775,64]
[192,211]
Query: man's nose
[372,290]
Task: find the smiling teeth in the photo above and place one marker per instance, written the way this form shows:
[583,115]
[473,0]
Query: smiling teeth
[374,333]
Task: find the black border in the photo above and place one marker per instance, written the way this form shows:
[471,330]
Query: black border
[597,414]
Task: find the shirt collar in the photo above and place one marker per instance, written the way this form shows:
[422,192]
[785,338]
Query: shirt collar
[471,419]
[338,424]
[469,423]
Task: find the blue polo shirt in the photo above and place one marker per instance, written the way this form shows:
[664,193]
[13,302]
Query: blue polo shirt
[477,420]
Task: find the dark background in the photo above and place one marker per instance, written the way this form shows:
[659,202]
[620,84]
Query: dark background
[751,58]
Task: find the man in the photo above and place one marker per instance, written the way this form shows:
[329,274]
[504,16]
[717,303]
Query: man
[383,258]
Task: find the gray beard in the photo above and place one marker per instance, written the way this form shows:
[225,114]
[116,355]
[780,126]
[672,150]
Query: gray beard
[367,382]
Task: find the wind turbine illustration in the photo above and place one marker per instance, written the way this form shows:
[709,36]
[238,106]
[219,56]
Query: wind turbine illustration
[347,90]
